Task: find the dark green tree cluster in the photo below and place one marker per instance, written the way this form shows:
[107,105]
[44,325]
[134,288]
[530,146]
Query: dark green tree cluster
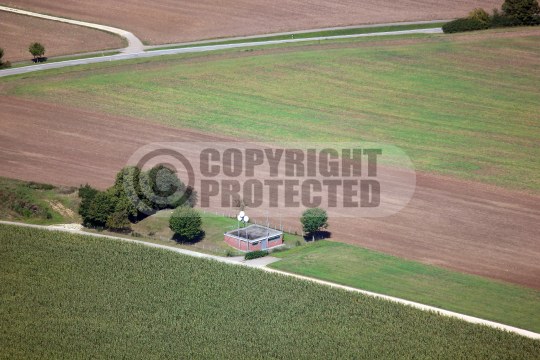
[186,222]
[36,49]
[3,64]
[134,194]
[513,13]
[314,220]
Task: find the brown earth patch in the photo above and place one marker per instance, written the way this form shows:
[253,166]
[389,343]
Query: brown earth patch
[19,31]
[167,21]
[455,224]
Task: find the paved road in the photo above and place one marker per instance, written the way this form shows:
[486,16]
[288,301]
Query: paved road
[61,64]
[135,45]
[295,32]
[261,264]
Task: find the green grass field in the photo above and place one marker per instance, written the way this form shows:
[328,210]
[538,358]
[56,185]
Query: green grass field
[459,106]
[71,296]
[373,271]
[308,35]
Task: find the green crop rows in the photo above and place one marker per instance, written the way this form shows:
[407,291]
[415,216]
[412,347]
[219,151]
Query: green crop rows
[70,296]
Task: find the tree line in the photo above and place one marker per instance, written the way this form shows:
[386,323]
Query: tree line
[134,195]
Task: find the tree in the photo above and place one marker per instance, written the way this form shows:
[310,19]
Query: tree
[118,220]
[101,207]
[314,220]
[36,49]
[479,15]
[186,222]
[87,194]
[522,10]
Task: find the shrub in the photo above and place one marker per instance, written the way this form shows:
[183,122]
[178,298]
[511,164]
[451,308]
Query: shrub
[40,186]
[462,25]
[256,254]
[479,15]
[186,222]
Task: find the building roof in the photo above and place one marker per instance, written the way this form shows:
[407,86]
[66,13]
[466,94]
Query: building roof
[253,233]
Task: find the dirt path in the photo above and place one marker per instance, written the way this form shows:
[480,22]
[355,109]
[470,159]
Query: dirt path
[262,262]
[19,31]
[458,225]
[135,45]
[173,21]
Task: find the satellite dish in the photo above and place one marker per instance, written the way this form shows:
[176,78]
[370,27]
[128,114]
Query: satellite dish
[242,214]
[246,218]
[239,218]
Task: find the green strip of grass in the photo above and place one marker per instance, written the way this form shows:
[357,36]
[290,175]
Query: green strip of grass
[67,59]
[373,271]
[63,295]
[308,35]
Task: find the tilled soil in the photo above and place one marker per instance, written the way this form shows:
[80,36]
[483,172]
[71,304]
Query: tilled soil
[167,21]
[19,31]
[454,224]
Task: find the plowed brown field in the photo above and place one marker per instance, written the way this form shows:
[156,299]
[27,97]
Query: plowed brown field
[18,31]
[454,224]
[167,21]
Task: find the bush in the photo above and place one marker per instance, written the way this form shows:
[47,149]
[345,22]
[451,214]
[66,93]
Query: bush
[186,222]
[462,25]
[256,254]
[479,15]
[40,186]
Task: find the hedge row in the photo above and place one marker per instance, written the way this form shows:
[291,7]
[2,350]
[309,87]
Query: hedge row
[465,24]
[255,254]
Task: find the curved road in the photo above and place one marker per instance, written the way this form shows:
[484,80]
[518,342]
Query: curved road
[135,45]
[262,262]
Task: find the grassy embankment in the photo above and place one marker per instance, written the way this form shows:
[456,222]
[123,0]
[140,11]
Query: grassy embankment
[308,35]
[64,295]
[37,203]
[453,103]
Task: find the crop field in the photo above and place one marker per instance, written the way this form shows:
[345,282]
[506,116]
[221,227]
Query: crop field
[373,271]
[19,31]
[167,21]
[63,295]
[454,110]
[450,223]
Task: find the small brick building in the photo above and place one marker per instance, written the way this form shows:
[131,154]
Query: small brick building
[254,237]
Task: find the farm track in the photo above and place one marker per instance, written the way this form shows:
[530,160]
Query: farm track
[261,264]
[136,55]
[459,225]
[168,21]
